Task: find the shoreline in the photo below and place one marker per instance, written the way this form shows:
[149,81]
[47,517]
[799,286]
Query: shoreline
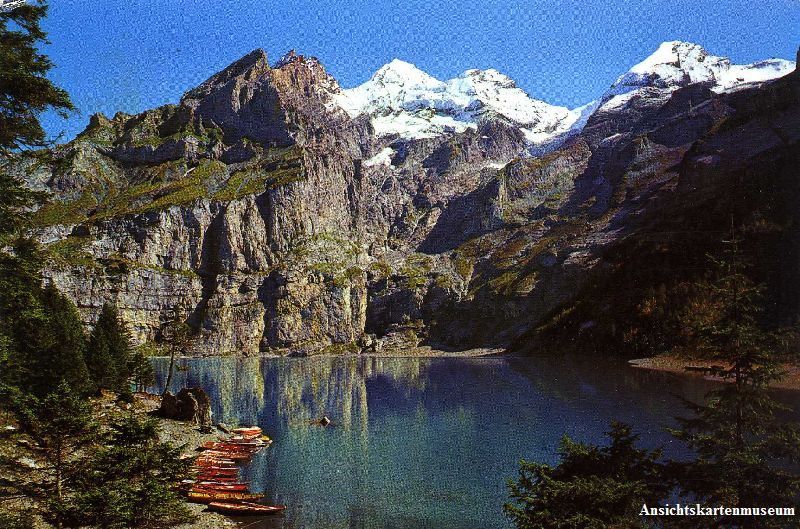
[678,366]
[188,436]
[413,352]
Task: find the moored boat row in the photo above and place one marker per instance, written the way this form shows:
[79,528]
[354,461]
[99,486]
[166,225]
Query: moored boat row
[216,474]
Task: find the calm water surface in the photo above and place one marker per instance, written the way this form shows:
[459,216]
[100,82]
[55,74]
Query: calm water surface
[420,443]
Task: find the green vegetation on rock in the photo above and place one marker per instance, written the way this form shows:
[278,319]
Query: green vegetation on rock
[416,270]
[173,183]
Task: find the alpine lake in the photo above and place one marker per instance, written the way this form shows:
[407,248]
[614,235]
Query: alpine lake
[421,442]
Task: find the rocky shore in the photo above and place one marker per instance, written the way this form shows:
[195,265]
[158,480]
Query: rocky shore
[693,367]
[185,434]
[188,435]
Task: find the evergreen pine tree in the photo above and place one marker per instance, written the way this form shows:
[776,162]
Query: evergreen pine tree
[62,425]
[744,452]
[592,487]
[141,369]
[109,351]
[129,482]
[29,353]
[177,334]
[25,90]
[44,340]
[64,358]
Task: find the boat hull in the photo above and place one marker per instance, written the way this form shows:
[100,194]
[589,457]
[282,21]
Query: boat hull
[245,508]
[208,497]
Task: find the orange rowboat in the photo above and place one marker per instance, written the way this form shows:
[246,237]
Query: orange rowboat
[252,431]
[230,487]
[245,508]
[236,456]
[217,481]
[245,439]
[225,446]
[217,464]
[211,475]
[208,497]
[214,461]
[209,459]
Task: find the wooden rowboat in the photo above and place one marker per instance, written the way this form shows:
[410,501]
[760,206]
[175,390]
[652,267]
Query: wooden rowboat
[245,508]
[249,432]
[217,464]
[226,446]
[189,483]
[214,459]
[218,468]
[218,481]
[235,456]
[219,487]
[208,460]
[246,440]
[216,474]
[239,447]
[208,497]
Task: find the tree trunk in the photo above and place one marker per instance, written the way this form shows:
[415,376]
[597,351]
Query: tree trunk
[59,467]
[169,374]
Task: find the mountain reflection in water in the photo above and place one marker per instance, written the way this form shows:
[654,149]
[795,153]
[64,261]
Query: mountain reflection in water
[420,442]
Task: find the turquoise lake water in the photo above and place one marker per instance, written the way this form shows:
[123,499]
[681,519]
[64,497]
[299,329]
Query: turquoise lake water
[420,442]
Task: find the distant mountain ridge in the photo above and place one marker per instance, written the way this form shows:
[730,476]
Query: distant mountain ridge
[401,99]
[279,213]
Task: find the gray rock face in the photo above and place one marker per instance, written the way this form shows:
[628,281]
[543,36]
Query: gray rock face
[261,213]
[190,404]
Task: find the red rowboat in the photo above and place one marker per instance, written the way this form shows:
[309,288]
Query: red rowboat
[249,432]
[216,474]
[236,456]
[244,507]
[216,481]
[230,487]
[225,446]
[208,497]
[217,465]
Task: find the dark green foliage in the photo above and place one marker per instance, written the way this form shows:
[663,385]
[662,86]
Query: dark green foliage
[591,488]
[15,520]
[62,424]
[141,369]
[126,482]
[109,351]
[178,334]
[43,342]
[745,455]
[66,352]
[25,91]
[15,203]
[728,328]
[129,482]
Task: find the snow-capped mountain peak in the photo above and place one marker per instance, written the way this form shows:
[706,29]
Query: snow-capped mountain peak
[404,100]
[676,63]
[402,73]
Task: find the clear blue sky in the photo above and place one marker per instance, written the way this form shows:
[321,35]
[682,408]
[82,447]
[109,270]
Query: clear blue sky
[131,55]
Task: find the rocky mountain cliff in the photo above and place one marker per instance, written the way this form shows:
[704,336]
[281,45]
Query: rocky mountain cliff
[277,212]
